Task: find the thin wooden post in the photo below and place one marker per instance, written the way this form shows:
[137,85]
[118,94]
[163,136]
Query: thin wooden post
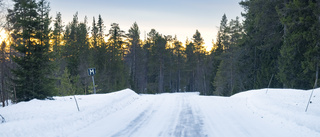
[76,102]
[315,85]
[269,83]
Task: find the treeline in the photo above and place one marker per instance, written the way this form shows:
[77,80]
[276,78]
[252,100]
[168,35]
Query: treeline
[278,44]
[278,39]
[281,39]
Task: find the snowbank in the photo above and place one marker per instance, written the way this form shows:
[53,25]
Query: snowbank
[280,112]
[285,106]
[60,117]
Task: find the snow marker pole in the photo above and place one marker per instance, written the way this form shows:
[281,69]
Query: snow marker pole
[309,100]
[269,83]
[76,102]
[315,85]
[2,119]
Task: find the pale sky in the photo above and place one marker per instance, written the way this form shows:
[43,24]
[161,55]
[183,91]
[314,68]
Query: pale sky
[168,17]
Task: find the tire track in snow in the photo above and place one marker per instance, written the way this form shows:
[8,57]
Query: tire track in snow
[138,122]
[104,110]
[135,124]
[189,124]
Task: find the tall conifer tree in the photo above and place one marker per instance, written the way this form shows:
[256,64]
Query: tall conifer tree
[116,68]
[300,51]
[30,25]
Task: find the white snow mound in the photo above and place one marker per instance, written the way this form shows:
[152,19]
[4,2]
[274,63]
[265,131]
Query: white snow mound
[279,112]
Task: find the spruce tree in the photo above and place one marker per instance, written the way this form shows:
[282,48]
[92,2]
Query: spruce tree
[299,53]
[227,80]
[71,49]
[101,29]
[84,55]
[30,25]
[261,43]
[77,53]
[218,50]
[100,56]
[57,35]
[66,85]
[94,34]
[57,39]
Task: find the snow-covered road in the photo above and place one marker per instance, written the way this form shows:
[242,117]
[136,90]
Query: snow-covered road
[125,113]
[152,115]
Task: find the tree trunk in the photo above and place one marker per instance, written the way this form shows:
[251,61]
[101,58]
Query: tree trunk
[285,32]
[231,77]
[192,81]
[2,85]
[178,81]
[161,78]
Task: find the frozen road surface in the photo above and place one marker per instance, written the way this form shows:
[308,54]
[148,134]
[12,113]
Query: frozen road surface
[279,113]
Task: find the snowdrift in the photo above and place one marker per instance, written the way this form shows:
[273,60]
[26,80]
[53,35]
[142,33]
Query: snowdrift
[60,117]
[285,106]
[280,112]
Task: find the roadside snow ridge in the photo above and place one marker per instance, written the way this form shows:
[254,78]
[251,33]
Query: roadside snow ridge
[280,112]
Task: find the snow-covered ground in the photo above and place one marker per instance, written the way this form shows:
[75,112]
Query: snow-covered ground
[278,113]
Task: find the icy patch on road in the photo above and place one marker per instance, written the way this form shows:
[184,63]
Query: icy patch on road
[189,125]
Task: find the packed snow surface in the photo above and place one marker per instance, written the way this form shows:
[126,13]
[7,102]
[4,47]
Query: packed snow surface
[255,113]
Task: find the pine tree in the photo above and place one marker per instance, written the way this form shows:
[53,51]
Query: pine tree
[156,61]
[190,66]
[3,90]
[201,76]
[158,50]
[116,70]
[132,56]
[178,63]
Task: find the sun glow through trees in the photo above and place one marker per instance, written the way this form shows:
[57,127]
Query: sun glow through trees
[3,36]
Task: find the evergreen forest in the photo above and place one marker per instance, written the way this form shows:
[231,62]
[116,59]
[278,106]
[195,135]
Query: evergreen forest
[277,45]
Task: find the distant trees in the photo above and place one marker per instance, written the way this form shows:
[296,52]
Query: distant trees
[277,38]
